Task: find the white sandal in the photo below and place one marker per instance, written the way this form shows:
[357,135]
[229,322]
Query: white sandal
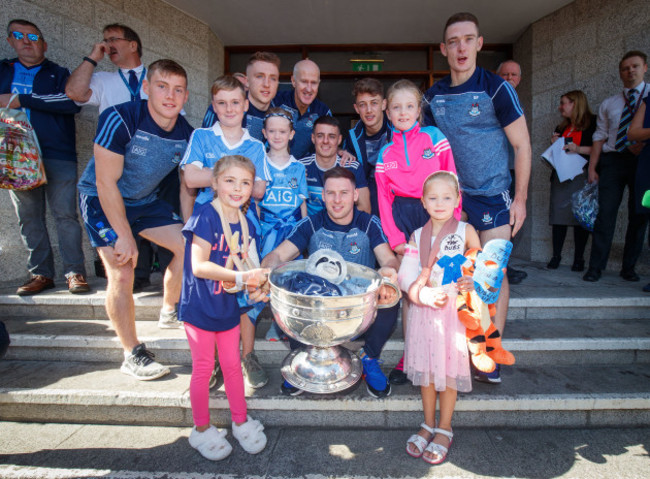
[211,443]
[250,435]
[419,442]
[438,449]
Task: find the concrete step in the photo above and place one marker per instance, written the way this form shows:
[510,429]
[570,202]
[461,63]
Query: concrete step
[544,295]
[561,396]
[559,342]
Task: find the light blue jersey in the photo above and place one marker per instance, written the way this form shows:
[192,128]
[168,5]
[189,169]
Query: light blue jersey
[280,208]
[208,145]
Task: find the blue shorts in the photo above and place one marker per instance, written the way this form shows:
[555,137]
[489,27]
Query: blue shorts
[152,215]
[409,214]
[487,212]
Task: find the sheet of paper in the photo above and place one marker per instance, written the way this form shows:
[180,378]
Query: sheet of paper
[567,165]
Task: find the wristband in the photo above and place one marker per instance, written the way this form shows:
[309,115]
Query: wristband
[90,60]
[239,280]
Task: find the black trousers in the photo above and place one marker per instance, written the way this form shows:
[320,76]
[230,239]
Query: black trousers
[616,171]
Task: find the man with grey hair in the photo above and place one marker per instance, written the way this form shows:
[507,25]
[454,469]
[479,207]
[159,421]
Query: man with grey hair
[510,71]
[303,105]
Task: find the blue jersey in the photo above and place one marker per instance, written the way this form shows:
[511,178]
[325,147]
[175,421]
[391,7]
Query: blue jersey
[208,145]
[150,153]
[253,120]
[280,208]
[356,241]
[472,116]
[203,302]
[23,81]
[301,145]
[315,181]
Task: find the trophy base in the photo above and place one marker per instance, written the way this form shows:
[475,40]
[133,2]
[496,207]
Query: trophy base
[322,370]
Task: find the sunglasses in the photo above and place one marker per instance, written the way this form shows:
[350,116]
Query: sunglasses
[32,37]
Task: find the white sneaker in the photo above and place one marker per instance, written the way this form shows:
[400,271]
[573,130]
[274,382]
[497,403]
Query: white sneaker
[169,320]
[140,364]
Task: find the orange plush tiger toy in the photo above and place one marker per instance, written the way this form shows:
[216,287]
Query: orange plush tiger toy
[483,338]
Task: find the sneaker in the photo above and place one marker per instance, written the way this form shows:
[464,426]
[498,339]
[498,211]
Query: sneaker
[253,371]
[77,283]
[397,376]
[376,382]
[169,320]
[216,375]
[288,389]
[140,364]
[490,378]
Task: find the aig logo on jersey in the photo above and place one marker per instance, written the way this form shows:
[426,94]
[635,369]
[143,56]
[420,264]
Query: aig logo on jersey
[474,111]
[428,154]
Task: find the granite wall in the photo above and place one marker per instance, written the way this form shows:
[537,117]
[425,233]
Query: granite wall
[70,28]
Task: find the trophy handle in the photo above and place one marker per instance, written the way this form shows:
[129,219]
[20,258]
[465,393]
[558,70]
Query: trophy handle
[387,282]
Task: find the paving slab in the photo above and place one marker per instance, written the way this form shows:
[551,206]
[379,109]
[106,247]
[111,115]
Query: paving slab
[121,452]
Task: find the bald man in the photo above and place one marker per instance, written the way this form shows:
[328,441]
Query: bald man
[305,108]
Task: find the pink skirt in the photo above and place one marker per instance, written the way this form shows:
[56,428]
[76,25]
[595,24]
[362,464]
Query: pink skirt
[435,350]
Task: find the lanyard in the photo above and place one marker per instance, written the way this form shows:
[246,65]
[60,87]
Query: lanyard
[135,93]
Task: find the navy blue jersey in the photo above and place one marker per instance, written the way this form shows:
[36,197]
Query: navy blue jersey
[472,116]
[355,241]
[150,153]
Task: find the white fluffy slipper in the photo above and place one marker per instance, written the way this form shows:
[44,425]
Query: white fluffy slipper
[211,443]
[250,435]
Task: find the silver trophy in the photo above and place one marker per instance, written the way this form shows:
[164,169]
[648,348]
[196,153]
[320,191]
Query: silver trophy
[323,323]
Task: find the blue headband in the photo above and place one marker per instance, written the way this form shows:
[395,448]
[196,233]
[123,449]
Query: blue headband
[281,115]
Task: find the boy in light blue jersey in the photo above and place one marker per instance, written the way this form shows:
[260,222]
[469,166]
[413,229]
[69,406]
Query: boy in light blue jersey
[207,146]
[262,78]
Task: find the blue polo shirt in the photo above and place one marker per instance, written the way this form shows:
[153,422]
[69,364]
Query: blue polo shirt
[472,116]
[150,153]
[301,145]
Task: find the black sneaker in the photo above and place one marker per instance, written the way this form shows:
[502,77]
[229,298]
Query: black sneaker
[288,389]
[489,378]
[397,376]
[141,365]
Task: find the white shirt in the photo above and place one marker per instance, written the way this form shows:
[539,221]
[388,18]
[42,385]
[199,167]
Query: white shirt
[108,88]
[609,116]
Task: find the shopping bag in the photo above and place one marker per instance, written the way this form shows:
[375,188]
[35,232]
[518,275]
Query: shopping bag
[584,204]
[21,162]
